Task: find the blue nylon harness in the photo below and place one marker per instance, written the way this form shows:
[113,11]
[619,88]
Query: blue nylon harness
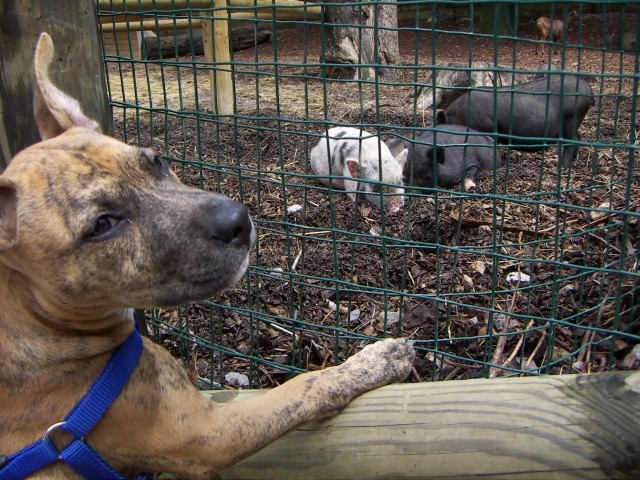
[79,455]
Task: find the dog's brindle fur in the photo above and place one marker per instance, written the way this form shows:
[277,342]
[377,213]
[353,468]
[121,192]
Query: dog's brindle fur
[91,228]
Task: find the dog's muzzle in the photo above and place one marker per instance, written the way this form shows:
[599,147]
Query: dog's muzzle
[230,223]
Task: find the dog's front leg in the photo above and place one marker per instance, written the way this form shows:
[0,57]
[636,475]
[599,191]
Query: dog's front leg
[197,437]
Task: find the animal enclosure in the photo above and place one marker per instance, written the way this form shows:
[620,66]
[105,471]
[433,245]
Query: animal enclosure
[533,271]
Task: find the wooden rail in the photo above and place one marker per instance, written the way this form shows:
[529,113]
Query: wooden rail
[560,427]
[164,23]
[214,24]
[130,5]
[264,9]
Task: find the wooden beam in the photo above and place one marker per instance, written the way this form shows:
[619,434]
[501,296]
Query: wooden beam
[152,25]
[560,427]
[277,13]
[137,5]
[163,23]
[215,37]
[134,6]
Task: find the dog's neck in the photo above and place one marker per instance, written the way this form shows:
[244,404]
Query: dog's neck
[55,335]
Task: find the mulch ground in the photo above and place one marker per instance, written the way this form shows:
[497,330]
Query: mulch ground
[332,266]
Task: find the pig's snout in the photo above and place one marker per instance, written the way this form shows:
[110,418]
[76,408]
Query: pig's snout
[395,204]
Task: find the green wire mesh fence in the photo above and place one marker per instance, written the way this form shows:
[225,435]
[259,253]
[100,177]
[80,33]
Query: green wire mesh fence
[533,271]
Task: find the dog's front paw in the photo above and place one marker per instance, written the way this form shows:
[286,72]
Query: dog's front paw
[382,362]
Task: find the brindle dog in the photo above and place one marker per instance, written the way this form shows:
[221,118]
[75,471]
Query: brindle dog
[90,228]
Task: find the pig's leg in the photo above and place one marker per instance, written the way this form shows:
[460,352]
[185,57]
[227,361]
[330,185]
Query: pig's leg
[470,178]
[469,184]
[569,152]
[350,187]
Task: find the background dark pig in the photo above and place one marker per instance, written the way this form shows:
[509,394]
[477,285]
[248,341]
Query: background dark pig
[460,154]
[356,154]
[546,69]
[526,111]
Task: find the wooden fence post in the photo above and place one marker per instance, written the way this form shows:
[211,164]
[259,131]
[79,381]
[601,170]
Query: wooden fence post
[77,67]
[215,35]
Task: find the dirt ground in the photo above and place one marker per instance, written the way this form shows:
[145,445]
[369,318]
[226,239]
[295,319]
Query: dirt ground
[329,276]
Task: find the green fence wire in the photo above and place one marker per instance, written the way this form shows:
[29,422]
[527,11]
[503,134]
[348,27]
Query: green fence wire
[534,271]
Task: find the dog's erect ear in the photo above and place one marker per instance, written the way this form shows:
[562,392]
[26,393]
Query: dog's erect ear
[55,111]
[8,214]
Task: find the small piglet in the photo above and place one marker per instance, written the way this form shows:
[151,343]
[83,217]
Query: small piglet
[460,153]
[358,155]
[527,116]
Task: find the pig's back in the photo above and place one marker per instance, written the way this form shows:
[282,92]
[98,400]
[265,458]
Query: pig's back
[328,156]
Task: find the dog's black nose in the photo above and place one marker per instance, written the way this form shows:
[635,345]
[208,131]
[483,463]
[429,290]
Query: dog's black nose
[231,223]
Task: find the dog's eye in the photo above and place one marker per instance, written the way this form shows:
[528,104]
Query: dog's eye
[103,224]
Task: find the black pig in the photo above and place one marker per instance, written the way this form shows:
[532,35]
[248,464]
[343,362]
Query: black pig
[546,69]
[460,154]
[534,112]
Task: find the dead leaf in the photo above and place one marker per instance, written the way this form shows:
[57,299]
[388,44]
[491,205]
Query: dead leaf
[479,266]
[370,331]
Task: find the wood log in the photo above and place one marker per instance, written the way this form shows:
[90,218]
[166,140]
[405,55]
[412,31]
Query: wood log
[561,427]
[449,80]
[629,41]
[242,37]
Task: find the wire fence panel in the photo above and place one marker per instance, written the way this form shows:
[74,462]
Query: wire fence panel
[514,257]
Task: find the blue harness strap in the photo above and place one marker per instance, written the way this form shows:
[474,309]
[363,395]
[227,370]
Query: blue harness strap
[79,422]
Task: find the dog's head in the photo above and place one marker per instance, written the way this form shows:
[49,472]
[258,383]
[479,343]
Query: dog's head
[90,223]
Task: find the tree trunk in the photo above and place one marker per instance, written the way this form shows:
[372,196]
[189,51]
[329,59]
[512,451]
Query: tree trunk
[388,52]
[352,36]
[349,47]
[497,18]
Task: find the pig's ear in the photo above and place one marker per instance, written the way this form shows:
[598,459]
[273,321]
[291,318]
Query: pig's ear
[8,214]
[402,157]
[354,167]
[439,153]
[441,118]
[55,111]
[395,146]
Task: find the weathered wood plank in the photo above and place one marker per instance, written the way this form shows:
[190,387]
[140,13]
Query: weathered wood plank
[169,23]
[77,67]
[560,427]
[159,5]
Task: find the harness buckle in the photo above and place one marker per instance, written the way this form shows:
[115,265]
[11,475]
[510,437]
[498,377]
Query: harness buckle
[52,429]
